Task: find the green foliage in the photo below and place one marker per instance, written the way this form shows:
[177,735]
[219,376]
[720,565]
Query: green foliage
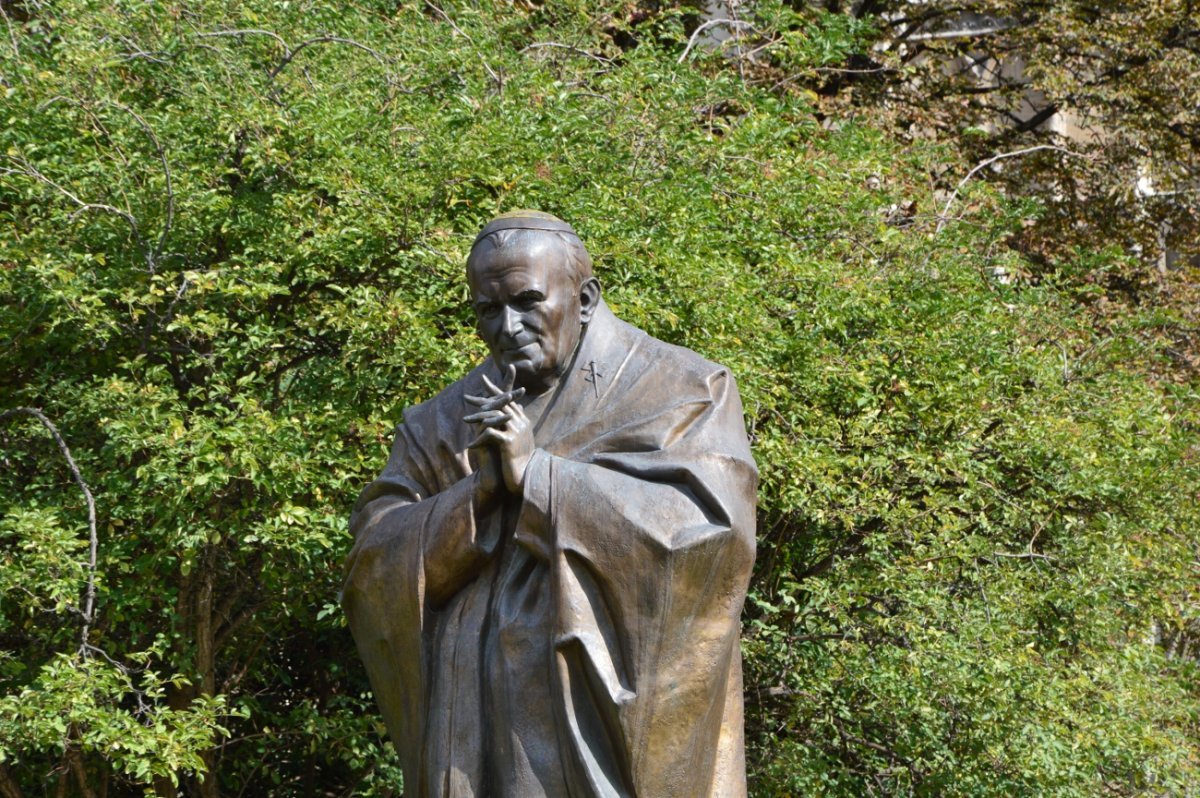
[238,232]
[1093,107]
[85,705]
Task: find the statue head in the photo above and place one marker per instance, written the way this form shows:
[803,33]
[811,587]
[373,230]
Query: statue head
[533,291]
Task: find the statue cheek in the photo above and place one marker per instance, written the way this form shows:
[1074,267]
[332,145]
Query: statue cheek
[488,332]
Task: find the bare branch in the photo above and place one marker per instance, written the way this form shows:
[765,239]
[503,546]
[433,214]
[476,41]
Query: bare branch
[184,284]
[942,217]
[29,170]
[12,35]
[152,256]
[89,596]
[136,50]
[287,58]
[1022,555]
[962,33]
[733,24]
[561,46]
[466,36]
[290,53]
[245,32]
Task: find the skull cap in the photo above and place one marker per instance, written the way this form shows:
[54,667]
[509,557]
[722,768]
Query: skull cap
[525,219]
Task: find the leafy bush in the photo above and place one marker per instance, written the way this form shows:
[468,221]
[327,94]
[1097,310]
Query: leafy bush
[236,248]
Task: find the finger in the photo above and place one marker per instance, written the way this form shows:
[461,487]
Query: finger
[487,416]
[495,389]
[494,419]
[489,402]
[510,377]
[486,437]
[499,423]
[495,402]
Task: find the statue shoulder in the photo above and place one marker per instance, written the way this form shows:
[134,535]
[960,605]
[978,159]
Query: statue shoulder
[679,364]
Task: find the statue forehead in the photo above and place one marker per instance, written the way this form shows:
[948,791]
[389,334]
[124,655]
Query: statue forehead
[526,249]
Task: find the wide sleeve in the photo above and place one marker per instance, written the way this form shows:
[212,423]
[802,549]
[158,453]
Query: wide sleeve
[414,548]
[649,538]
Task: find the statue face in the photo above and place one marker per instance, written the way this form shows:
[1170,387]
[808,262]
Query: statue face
[528,309]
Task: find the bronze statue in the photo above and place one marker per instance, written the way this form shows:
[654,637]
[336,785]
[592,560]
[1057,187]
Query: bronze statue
[547,577]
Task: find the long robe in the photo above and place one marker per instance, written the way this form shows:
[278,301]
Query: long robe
[581,639]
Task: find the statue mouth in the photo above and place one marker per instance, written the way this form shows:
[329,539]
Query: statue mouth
[517,349]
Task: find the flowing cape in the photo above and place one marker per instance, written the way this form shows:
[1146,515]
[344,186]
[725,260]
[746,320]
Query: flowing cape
[582,639]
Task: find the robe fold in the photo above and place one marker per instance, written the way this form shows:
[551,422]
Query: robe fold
[581,639]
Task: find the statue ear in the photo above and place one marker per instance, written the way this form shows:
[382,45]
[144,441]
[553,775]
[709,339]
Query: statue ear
[589,299]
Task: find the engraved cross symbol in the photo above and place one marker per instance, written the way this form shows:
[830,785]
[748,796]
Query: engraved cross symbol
[593,376]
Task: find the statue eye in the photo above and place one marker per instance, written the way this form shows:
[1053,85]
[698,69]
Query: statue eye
[529,300]
[487,310]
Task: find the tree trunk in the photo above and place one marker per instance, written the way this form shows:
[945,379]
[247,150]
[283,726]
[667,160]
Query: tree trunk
[206,665]
[8,785]
[75,758]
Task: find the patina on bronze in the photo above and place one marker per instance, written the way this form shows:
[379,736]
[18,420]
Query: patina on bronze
[547,577]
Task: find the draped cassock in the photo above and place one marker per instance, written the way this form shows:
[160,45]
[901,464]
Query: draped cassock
[580,639]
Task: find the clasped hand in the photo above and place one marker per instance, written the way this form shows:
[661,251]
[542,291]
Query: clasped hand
[506,431]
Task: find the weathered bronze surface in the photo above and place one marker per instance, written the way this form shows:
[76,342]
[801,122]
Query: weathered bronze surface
[547,577]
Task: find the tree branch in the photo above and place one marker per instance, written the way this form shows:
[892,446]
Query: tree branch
[152,256]
[733,24]
[561,46]
[461,32]
[29,170]
[290,53]
[287,58]
[942,217]
[89,598]
[12,35]
[244,32]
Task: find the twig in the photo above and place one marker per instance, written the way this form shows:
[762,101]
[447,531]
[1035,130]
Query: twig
[560,45]
[942,217]
[128,672]
[731,7]
[290,53]
[735,24]
[749,54]
[89,600]
[12,35]
[466,36]
[244,32]
[287,58]
[1022,555]
[29,170]
[184,284]
[137,51]
[152,256]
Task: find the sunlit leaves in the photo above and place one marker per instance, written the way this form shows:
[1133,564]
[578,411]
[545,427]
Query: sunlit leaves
[972,505]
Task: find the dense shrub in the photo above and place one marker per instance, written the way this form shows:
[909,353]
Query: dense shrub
[233,248]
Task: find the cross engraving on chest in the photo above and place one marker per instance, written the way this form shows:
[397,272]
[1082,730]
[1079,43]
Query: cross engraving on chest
[593,376]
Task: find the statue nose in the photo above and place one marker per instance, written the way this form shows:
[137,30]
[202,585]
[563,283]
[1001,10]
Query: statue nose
[511,322]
